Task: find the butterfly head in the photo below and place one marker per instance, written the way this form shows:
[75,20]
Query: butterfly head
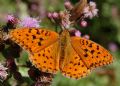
[65,33]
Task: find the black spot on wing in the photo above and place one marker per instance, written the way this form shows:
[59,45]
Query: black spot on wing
[97,47]
[38,32]
[86,55]
[86,50]
[41,39]
[92,51]
[90,45]
[29,30]
[26,34]
[34,37]
[39,54]
[39,43]
[43,55]
[46,33]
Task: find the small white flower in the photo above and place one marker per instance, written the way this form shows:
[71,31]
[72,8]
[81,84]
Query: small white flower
[93,4]
[90,11]
[86,36]
[65,22]
[3,73]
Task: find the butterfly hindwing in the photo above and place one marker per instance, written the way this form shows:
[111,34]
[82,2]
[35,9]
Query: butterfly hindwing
[33,39]
[47,60]
[73,66]
[92,54]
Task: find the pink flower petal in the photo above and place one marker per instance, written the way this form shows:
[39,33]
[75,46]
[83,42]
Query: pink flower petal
[30,22]
[90,11]
[3,73]
[77,33]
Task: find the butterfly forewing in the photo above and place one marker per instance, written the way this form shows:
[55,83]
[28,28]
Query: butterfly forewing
[33,39]
[92,54]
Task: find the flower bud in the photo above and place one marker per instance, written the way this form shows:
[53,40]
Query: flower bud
[83,23]
[68,5]
[55,15]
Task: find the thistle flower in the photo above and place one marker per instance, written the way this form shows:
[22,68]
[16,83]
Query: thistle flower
[29,22]
[11,18]
[3,73]
[90,11]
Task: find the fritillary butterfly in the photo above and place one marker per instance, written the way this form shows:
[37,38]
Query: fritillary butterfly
[51,52]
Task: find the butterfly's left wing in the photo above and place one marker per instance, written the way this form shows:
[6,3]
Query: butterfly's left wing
[33,39]
[92,54]
[42,46]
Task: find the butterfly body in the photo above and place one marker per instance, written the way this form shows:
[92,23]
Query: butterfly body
[64,47]
[51,52]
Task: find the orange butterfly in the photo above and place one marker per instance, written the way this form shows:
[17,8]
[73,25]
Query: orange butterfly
[51,52]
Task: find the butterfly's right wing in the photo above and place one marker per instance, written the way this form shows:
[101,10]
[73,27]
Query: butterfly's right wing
[74,67]
[92,54]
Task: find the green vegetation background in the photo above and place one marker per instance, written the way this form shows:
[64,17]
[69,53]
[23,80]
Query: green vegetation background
[103,29]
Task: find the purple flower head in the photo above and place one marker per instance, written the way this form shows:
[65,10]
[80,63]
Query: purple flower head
[11,18]
[3,73]
[29,22]
[113,47]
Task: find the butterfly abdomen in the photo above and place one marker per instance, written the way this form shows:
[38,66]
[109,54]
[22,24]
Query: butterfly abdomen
[62,52]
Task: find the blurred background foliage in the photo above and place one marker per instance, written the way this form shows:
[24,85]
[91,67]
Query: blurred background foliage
[104,29]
